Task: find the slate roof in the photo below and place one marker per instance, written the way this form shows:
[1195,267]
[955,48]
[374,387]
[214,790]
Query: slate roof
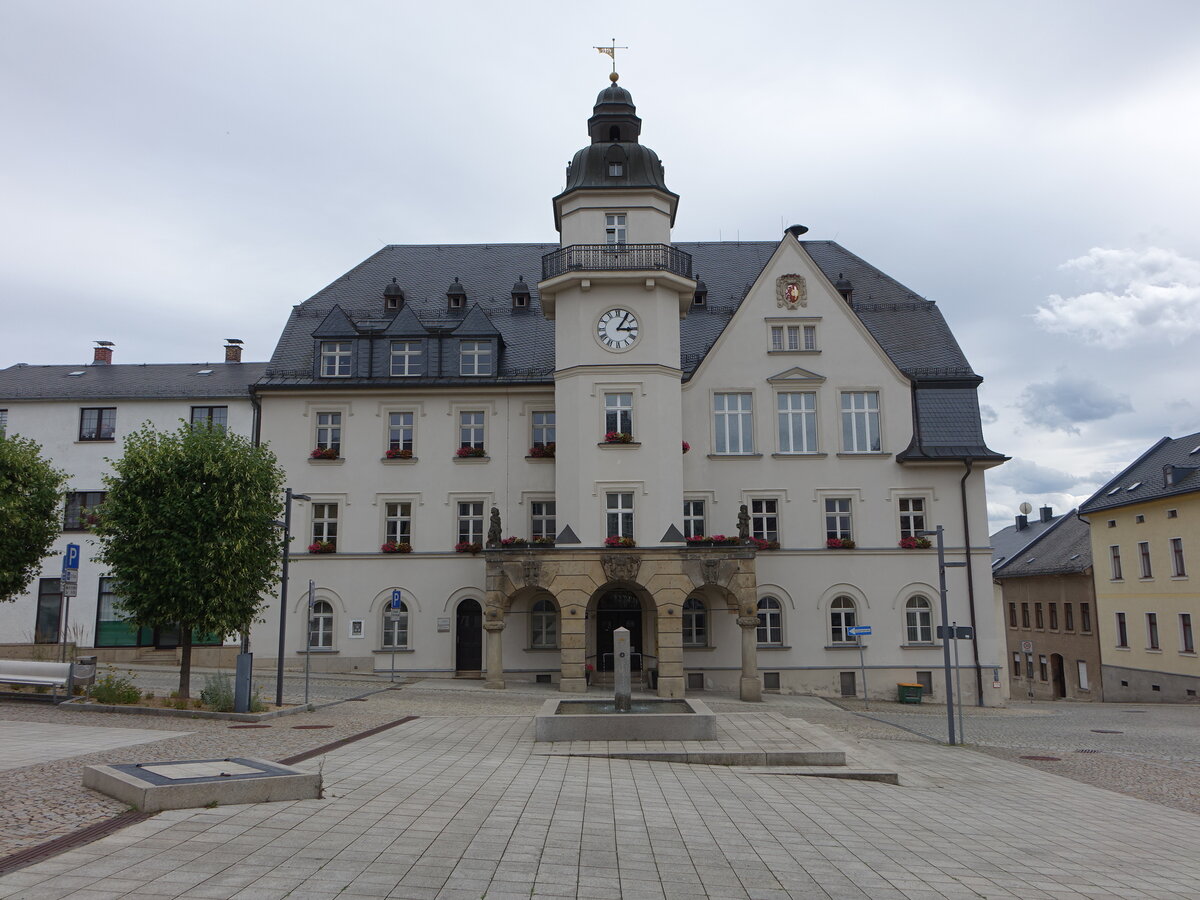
[1008,542]
[123,380]
[1062,547]
[1146,477]
[910,329]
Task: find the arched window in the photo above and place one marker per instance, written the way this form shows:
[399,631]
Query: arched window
[695,623]
[395,627]
[543,625]
[770,621]
[918,617]
[841,617]
[320,626]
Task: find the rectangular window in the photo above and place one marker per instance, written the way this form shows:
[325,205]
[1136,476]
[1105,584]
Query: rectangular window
[214,416]
[401,428]
[1069,616]
[733,416]
[1029,666]
[470,429]
[1053,616]
[838,519]
[1152,631]
[619,517]
[810,337]
[80,510]
[1037,616]
[397,521]
[1178,569]
[47,625]
[1012,615]
[470,521]
[1081,665]
[112,629]
[97,423]
[542,519]
[1085,617]
[618,413]
[912,515]
[544,432]
[797,422]
[406,359]
[764,519]
[395,630]
[693,518]
[1016,666]
[860,422]
[791,337]
[3,420]
[1187,642]
[1144,557]
[335,359]
[614,228]
[1043,668]
[329,431]
[325,523]
[475,357]
[1122,631]
[1115,562]
[1024,615]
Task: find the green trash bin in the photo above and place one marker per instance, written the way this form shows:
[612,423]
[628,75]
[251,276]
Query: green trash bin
[909,693]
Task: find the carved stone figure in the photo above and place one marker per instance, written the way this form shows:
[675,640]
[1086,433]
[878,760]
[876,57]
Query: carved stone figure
[620,567]
[743,523]
[791,292]
[533,573]
[494,530]
[711,569]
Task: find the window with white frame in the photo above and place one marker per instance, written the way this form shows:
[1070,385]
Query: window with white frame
[764,518]
[543,625]
[336,357]
[320,626]
[1152,631]
[838,519]
[693,518]
[1144,557]
[912,515]
[619,514]
[329,431]
[695,623]
[395,627]
[1114,556]
[470,429]
[614,228]
[860,422]
[406,359]
[397,521]
[475,357]
[542,522]
[733,423]
[797,422]
[325,523]
[618,413]
[918,620]
[1083,675]
[808,339]
[470,521]
[770,622]
[544,431]
[842,616]
[401,430]
[1178,569]
[785,337]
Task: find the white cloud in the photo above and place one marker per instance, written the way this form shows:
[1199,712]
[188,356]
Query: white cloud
[1067,400]
[1150,294]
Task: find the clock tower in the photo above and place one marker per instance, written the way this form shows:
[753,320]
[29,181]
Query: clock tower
[616,291]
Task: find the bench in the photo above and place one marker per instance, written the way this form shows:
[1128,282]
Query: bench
[38,674]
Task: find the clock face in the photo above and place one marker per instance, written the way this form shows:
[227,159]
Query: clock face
[617,329]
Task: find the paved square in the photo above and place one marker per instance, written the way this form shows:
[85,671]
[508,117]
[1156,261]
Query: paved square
[30,743]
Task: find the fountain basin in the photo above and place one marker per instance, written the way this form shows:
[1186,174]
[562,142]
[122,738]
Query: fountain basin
[648,720]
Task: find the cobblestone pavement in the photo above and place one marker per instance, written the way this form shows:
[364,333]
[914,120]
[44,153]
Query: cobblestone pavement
[466,807]
[164,679]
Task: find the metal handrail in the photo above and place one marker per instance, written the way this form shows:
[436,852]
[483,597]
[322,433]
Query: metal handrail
[616,257]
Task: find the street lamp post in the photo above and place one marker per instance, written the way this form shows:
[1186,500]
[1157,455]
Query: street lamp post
[946,630]
[283,588]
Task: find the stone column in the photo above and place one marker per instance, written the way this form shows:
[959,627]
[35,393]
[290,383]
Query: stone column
[751,688]
[495,653]
[572,641]
[670,650]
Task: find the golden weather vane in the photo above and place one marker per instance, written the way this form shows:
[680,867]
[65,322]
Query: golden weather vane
[611,52]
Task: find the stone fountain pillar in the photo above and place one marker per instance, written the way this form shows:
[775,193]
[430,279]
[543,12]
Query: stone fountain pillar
[622,692]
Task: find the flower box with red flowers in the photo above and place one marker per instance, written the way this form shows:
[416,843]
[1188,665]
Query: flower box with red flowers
[915,543]
[615,541]
[513,541]
[393,453]
[618,437]
[708,540]
[542,451]
[760,544]
[467,547]
[324,453]
[322,547]
[686,446]
[840,544]
[542,541]
[396,547]
[469,452]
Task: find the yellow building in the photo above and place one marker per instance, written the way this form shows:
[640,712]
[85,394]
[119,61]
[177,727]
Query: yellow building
[1145,532]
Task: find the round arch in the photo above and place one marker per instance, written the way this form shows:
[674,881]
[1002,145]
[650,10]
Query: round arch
[778,591]
[384,597]
[838,590]
[323,593]
[915,587]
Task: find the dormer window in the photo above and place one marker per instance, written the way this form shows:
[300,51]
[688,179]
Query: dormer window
[456,295]
[614,228]
[616,168]
[700,297]
[335,359]
[475,358]
[393,296]
[520,294]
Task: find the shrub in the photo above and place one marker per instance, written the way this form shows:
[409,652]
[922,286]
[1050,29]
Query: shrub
[114,688]
[218,693]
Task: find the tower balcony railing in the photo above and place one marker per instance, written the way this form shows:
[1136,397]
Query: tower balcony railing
[615,257]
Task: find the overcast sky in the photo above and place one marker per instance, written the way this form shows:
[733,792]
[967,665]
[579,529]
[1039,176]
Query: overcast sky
[175,173]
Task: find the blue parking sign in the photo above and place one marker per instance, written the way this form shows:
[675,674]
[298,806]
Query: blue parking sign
[396,601]
[71,557]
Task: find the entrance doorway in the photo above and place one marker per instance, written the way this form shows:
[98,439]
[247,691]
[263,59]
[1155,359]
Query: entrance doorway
[47,625]
[1058,678]
[166,638]
[618,609]
[468,637]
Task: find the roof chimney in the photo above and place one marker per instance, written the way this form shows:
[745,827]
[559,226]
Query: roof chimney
[103,353]
[1022,523]
[233,350]
[1047,513]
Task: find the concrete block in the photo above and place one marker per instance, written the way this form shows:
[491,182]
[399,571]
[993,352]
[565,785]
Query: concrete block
[185,784]
[693,722]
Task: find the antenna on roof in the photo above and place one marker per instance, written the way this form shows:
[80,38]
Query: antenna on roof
[105,344]
[1026,508]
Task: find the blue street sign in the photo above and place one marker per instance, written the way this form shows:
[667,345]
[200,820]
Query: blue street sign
[71,557]
[859,629]
[396,601]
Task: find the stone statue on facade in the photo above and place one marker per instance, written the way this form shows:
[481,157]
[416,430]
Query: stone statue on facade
[494,529]
[743,523]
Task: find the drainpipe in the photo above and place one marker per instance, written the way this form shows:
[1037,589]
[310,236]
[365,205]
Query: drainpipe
[256,429]
[962,489]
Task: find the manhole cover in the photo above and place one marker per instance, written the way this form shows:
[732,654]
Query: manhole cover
[1087,751]
[1044,758]
[249,726]
[1106,731]
[312,726]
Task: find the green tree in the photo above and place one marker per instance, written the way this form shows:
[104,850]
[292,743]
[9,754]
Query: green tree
[31,493]
[188,531]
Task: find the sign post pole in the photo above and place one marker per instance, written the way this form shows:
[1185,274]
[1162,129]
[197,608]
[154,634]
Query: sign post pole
[68,585]
[859,632]
[957,681]
[393,615]
[312,593]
